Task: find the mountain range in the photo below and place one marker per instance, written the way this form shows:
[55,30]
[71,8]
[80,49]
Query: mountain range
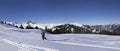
[109,29]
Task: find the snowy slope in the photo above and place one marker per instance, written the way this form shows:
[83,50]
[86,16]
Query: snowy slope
[30,40]
[7,47]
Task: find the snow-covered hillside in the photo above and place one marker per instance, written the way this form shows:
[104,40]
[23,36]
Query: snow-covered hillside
[34,25]
[14,39]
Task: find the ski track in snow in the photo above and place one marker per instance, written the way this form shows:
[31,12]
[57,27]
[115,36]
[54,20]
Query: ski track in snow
[26,47]
[89,45]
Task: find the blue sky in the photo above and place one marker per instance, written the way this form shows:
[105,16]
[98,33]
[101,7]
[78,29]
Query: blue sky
[61,11]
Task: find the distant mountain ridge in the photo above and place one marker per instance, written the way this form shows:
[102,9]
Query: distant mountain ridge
[108,27]
[69,28]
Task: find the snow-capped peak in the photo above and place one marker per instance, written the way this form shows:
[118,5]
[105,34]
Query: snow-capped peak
[77,24]
[31,22]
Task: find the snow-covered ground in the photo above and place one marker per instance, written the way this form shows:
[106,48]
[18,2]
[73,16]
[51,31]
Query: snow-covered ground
[14,39]
[7,47]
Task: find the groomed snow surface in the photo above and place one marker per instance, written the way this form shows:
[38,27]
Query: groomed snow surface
[14,39]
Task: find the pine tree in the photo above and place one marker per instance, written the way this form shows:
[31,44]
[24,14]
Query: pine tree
[36,27]
[21,27]
[29,27]
[1,22]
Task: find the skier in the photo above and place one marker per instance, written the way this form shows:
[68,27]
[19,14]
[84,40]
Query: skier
[43,35]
